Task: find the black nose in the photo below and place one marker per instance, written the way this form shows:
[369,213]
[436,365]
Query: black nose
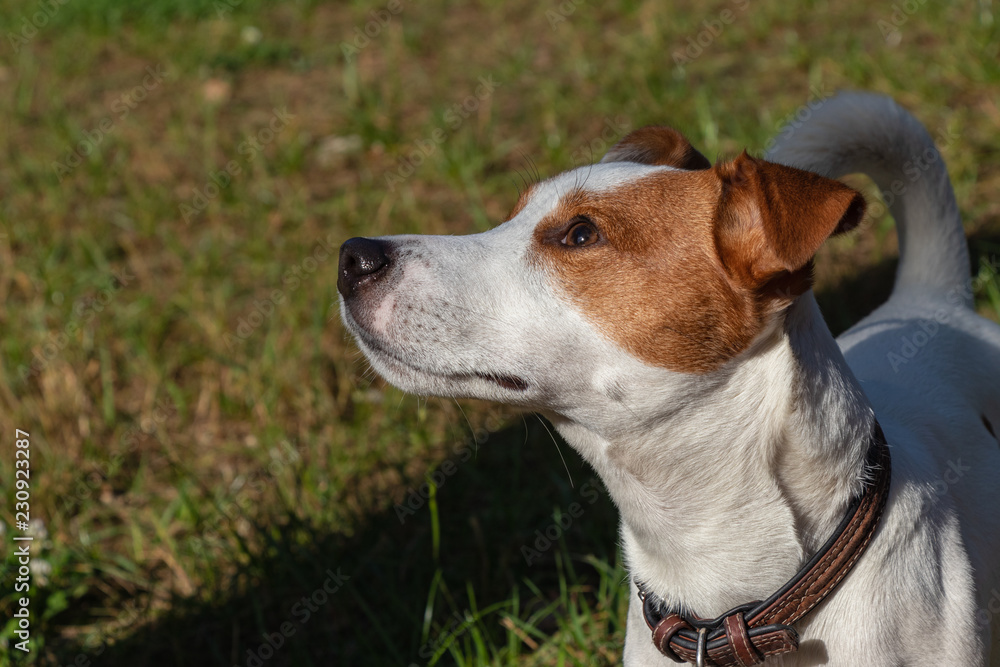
[361,261]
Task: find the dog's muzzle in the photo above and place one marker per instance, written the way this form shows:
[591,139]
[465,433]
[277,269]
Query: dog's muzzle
[362,262]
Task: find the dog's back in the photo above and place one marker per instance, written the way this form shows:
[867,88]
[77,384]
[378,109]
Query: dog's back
[929,364]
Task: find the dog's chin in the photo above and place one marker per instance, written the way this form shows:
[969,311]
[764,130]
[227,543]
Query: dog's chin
[411,377]
[415,380]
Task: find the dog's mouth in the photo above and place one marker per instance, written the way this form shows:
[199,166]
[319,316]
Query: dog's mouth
[508,382]
[373,347]
[511,382]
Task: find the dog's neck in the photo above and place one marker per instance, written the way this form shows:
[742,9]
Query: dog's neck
[723,500]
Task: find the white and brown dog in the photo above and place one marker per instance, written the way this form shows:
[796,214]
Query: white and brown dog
[658,311]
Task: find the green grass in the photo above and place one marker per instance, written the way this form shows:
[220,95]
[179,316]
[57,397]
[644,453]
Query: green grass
[208,446]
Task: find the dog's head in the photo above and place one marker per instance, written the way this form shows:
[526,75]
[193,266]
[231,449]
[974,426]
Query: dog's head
[603,282]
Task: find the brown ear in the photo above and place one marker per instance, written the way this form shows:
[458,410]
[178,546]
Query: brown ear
[772,219]
[657,145]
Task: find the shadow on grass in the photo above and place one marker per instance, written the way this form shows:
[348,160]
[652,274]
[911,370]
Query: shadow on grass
[313,597]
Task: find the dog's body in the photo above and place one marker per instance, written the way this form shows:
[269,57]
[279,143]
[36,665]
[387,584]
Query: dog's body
[659,313]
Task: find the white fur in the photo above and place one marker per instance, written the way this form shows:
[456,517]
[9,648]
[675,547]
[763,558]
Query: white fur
[728,481]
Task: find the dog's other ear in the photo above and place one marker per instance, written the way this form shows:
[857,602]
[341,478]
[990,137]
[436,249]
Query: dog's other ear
[657,145]
[772,219]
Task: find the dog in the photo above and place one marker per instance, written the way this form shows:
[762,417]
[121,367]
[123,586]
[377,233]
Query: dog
[658,311]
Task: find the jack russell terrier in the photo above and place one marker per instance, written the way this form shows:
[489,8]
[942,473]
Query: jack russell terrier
[658,310]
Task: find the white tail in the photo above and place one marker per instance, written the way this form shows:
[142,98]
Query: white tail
[869,133]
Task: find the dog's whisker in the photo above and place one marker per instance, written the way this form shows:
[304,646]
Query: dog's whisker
[475,440]
[569,475]
[533,166]
[529,175]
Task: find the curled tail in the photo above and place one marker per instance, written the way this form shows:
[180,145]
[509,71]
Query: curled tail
[868,133]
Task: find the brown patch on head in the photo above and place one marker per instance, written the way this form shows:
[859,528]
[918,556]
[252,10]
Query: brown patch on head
[522,200]
[657,145]
[652,282]
[684,269]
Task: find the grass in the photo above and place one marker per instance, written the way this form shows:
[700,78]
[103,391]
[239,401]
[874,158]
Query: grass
[215,473]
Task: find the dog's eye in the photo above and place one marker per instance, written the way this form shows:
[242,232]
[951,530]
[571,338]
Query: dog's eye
[581,233]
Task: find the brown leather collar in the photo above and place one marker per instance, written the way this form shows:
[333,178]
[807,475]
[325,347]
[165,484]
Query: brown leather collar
[747,634]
